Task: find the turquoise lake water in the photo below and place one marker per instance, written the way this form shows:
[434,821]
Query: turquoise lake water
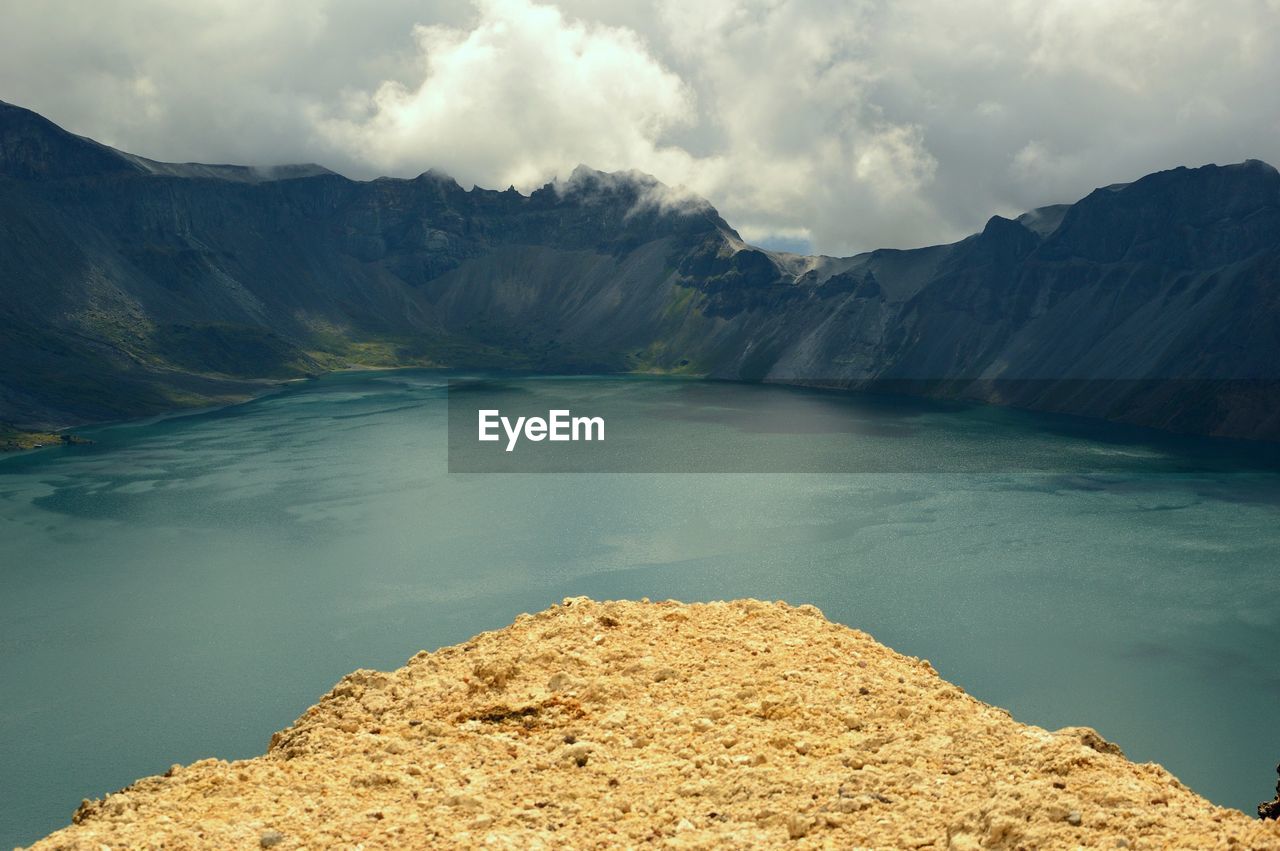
[185,587]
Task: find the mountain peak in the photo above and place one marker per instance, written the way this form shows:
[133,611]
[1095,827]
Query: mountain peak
[1256,166]
[1245,178]
[435,175]
[33,147]
[641,191]
[583,178]
[1234,208]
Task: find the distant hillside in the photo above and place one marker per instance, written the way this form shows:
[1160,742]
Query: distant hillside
[132,287]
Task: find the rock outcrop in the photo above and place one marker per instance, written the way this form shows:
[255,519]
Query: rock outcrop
[1271,809]
[623,724]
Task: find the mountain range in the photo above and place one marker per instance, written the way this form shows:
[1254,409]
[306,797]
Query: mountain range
[130,287]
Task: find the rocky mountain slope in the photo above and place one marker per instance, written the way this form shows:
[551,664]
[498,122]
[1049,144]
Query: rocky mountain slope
[720,725]
[131,287]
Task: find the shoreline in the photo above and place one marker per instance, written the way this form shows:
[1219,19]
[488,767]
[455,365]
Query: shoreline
[177,413]
[1264,453]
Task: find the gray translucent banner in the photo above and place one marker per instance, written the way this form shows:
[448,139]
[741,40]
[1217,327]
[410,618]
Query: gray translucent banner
[638,424]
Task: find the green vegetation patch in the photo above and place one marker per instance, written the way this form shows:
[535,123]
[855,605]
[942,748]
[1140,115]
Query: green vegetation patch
[14,439]
[239,350]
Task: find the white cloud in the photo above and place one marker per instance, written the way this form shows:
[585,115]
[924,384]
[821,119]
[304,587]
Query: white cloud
[522,96]
[800,143]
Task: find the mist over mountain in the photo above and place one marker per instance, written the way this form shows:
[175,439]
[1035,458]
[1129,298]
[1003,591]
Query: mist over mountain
[132,287]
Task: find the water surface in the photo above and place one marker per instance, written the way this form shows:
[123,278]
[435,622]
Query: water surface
[185,587]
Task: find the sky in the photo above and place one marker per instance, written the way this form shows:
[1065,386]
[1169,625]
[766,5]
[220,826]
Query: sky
[812,125]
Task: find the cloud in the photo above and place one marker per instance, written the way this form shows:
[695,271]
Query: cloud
[521,96]
[833,125]
[802,151]
[649,193]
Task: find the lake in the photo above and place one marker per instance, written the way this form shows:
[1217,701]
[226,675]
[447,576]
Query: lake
[185,587]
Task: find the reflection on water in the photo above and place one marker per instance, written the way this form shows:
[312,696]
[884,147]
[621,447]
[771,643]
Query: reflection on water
[185,587]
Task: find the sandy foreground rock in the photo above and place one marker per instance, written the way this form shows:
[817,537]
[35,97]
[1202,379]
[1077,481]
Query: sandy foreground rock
[719,725]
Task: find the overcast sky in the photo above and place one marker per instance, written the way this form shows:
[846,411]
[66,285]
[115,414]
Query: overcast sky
[811,125]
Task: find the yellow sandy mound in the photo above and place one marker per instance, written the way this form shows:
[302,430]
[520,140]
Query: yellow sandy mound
[725,725]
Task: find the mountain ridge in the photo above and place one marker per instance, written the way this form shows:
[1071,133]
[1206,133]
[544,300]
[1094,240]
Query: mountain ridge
[135,287]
